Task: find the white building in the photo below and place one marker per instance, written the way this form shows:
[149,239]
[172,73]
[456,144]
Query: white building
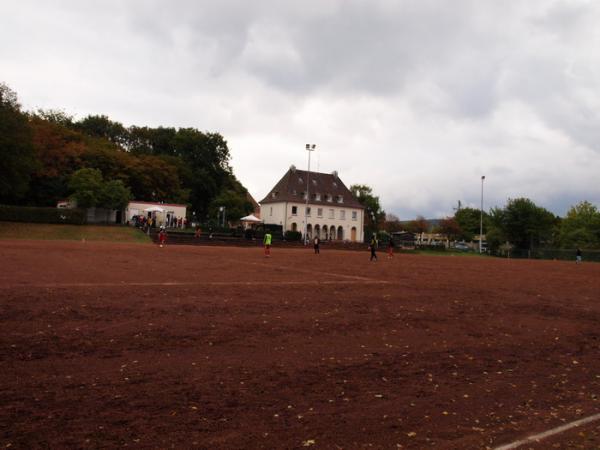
[161,212]
[169,210]
[333,213]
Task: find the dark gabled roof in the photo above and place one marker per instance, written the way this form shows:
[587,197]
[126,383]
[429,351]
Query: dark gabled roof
[293,185]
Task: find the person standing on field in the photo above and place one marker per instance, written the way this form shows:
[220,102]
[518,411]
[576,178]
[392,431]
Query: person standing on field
[578,255]
[267,243]
[162,236]
[316,243]
[373,247]
[390,247]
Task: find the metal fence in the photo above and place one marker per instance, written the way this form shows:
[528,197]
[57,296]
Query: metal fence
[553,253]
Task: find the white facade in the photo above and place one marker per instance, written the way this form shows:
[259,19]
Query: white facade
[332,221]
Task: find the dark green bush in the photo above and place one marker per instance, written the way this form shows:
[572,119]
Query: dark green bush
[293,236]
[42,215]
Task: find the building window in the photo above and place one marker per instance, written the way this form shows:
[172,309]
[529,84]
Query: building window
[354,215]
[303,194]
[294,210]
[319,212]
[294,192]
[314,182]
[300,180]
[332,213]
[271,211]
[340,199]
[328,198]
[308,211]
[342,214]
[318,197]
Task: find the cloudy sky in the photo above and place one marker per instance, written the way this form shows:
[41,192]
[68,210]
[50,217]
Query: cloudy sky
[417,99]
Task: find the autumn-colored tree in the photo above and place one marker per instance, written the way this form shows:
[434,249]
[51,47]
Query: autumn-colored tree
[392,223]
[449,227]
[419,225]
[58,151]
[162,164]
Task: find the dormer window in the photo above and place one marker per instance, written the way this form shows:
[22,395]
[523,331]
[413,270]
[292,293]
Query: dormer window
[303,194]
[300,181]
[334,184]
[340,199]
[328,198]
[294,192]
[317,196]
[314,182]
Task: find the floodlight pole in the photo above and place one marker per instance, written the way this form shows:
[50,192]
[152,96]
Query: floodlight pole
[481,217]
[309,148]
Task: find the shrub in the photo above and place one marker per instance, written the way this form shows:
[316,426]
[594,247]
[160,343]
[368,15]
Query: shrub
[293,236]
[42,215]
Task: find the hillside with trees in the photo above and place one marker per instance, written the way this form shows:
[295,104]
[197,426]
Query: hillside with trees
[46,156]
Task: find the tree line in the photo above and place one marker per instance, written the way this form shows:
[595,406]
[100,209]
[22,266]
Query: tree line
[46,156]
[520,224]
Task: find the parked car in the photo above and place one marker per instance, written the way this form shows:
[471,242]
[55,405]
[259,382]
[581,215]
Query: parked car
[462,247]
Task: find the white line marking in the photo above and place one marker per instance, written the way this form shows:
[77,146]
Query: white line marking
[312,272]
[545,434]
[196,283]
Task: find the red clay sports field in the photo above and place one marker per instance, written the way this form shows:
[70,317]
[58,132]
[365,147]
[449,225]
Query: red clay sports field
[112,345]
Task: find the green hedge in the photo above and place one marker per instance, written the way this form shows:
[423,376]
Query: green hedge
[555,253]
[34,214]
[293,236]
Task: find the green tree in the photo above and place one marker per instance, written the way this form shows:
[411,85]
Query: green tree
[207,159]
[103,127]
[468,219]
[524,224]
[87,186]
[17,158]
[581,226]
[234,197]
[90,190]
[56,116]
[374,215]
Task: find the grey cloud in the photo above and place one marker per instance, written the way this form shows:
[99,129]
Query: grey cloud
[437,92]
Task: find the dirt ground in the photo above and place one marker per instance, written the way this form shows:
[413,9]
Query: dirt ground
[112,345]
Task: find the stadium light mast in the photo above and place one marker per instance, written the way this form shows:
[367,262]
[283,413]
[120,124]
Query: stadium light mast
[309,148]
[481,217]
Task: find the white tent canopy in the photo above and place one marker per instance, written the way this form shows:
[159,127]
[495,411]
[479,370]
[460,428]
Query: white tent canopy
[250,218]
[154,209]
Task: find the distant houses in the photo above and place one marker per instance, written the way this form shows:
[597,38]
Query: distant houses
[318,204]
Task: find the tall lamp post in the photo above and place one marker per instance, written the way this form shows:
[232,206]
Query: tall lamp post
[309,148]
[481,217]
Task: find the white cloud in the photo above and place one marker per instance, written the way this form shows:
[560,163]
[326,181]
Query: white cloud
[416,98]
